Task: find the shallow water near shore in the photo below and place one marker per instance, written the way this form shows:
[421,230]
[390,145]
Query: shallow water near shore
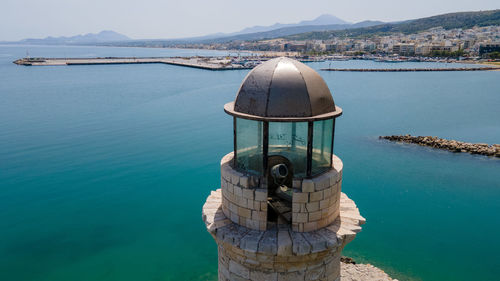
[104,168]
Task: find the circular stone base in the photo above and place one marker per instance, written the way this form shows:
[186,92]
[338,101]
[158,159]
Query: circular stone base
[280,253]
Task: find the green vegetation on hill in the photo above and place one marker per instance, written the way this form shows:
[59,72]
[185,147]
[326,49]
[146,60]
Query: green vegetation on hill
[447,21]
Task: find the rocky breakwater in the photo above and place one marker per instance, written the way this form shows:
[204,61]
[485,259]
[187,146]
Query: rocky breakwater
[451,145]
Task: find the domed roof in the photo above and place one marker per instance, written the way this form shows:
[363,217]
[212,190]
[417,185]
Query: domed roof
[282,89]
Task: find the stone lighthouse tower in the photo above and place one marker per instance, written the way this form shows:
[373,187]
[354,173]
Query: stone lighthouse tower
[280,213]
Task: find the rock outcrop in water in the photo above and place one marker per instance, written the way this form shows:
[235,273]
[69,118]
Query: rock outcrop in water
[451,145]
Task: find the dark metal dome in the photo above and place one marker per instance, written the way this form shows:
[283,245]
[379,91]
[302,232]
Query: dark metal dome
[283,89]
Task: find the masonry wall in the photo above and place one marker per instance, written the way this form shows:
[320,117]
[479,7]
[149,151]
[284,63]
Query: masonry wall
[315,201]
[244,202]
[236,264]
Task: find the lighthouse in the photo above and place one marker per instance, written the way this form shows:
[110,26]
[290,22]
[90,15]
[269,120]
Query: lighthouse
[279,213]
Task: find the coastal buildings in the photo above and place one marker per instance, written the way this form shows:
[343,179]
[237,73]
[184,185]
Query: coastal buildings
[280,213]
[489,48]
[434,41]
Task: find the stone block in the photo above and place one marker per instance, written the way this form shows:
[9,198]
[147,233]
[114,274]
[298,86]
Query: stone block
[235,177]
[261,194]
[314,216]
[291,276]
[299,197]
[224,271]
[233,208]
[263,276]
[242,202]
[251,204]
[259,216]
[327,193]
[247,193]
[301,217]
[310,226]
[324,204]
[333,267]
[322,182]
[325,213]
[269,244]
[299,207]
[284,243]
[307,185]
[250,242]
[244,212]
[237,191]
[299,244]
[234,217]
[244,182]
[316,196]
[315,274]
[256,205]
[226,172]
[313,206]
[317,241]
[252,224]
[330,237]
[334,177]
[234,277]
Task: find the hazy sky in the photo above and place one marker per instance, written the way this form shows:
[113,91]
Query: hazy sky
[183,18]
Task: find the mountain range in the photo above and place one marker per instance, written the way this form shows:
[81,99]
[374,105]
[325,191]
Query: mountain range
[320,28]
[89,38]
[462,20]
[321,23]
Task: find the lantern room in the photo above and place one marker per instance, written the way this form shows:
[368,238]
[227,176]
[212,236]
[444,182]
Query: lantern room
[284,122]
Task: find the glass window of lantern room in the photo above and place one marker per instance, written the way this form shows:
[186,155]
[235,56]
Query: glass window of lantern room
[322,146]
[289,139]
[248,145]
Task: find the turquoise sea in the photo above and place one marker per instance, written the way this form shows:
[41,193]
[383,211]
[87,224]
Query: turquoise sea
[104,169]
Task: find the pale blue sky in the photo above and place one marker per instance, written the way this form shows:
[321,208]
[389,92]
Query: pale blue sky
[170,19]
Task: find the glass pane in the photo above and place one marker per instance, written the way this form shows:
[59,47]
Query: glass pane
[289,139]
[249,145]
[322,146]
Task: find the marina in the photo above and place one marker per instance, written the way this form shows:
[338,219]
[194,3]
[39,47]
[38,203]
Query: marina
[224,63]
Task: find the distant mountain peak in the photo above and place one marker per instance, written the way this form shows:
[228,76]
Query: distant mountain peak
[324,19]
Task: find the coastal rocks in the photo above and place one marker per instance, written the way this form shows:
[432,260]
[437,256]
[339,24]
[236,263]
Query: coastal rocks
[451,145]
[362,272]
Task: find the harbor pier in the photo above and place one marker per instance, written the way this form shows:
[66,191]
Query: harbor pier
[208,63]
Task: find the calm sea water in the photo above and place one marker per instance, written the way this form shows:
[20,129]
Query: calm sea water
[104,169]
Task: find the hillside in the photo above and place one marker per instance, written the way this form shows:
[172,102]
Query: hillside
[448,21]
[286,31]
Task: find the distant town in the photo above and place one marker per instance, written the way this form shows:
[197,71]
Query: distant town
[435,42]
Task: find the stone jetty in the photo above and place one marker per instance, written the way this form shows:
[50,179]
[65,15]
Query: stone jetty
[208,63]
[451,145]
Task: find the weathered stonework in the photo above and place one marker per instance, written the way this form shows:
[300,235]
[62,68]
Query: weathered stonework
[324,221]
[244,202]
[315,202]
